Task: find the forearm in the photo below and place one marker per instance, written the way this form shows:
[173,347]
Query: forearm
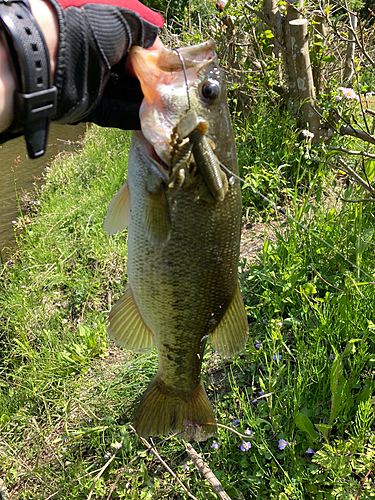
[46,19]
[7,88]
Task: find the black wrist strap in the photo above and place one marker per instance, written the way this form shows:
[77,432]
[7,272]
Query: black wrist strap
[35,98]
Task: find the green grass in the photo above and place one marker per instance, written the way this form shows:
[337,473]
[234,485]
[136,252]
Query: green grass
[67,394]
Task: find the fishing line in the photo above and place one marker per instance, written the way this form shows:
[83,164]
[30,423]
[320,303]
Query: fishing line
[185,76]
[289,217]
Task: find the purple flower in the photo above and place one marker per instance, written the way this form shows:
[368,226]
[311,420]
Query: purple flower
[338,98]
[248,432]
[236,421]
[277,356]
[331,356]
[282,444]
[245,446]
[311,451]
[254,401]
[107,455]
[215,445]
[186,467]
[261,393]
[258,345]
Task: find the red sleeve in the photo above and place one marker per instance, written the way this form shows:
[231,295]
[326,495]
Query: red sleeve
[145,13]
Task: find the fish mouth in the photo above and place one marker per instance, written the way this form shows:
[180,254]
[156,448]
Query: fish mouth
[156,159]
[150,152]
[165,76]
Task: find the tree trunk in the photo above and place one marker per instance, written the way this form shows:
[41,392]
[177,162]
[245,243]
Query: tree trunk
[304,78]
[349,61]
[292,14]
[320,35]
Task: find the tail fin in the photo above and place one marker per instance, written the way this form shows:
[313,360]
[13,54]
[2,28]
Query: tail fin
[161,412]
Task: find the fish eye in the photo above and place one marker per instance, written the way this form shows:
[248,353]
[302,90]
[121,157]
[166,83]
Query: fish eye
[210,90]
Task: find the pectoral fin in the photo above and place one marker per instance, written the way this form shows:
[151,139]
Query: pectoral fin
[117,218]
[156,217]
[126,326]
[230,336]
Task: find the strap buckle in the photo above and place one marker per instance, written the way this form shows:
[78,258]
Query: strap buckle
[35,106]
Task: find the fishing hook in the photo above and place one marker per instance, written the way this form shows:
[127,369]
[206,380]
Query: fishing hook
[185,76]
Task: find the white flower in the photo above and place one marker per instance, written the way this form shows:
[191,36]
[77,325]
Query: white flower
[307,134]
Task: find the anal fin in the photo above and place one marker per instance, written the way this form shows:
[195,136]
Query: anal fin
[117,218]
[127,327]
[161,412]
[230,335]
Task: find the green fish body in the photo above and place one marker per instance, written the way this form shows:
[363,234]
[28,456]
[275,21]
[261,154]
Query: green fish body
[183,210]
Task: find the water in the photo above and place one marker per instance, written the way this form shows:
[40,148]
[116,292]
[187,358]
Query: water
[28,172]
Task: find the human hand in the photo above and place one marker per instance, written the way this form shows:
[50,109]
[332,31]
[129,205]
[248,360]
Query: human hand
[87,45]
[94,83]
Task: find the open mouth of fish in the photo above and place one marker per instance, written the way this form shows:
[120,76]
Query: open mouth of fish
[155,158]
[166,69]
[175,136]
[151,155]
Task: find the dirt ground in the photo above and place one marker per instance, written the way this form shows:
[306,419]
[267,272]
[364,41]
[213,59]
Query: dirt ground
[253,235]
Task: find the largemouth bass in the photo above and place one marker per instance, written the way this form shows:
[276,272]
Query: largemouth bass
[183,210]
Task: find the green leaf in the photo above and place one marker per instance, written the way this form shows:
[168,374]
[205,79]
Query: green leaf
[324,429]
[338,399]
[370,169]
[304,424]
[336,371]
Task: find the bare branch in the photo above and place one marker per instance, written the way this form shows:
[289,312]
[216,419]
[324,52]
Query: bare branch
[361,45]
[332,125]
[349,62]
[351,152]
[154,451]
[364,136]
[351,173]
[101,472]
[257,13]
[357,201]
[363,482]
[207,473]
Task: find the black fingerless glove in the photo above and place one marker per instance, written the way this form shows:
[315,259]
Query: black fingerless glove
[90,78]
[90,74]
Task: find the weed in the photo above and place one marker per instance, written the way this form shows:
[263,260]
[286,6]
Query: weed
[301,397]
